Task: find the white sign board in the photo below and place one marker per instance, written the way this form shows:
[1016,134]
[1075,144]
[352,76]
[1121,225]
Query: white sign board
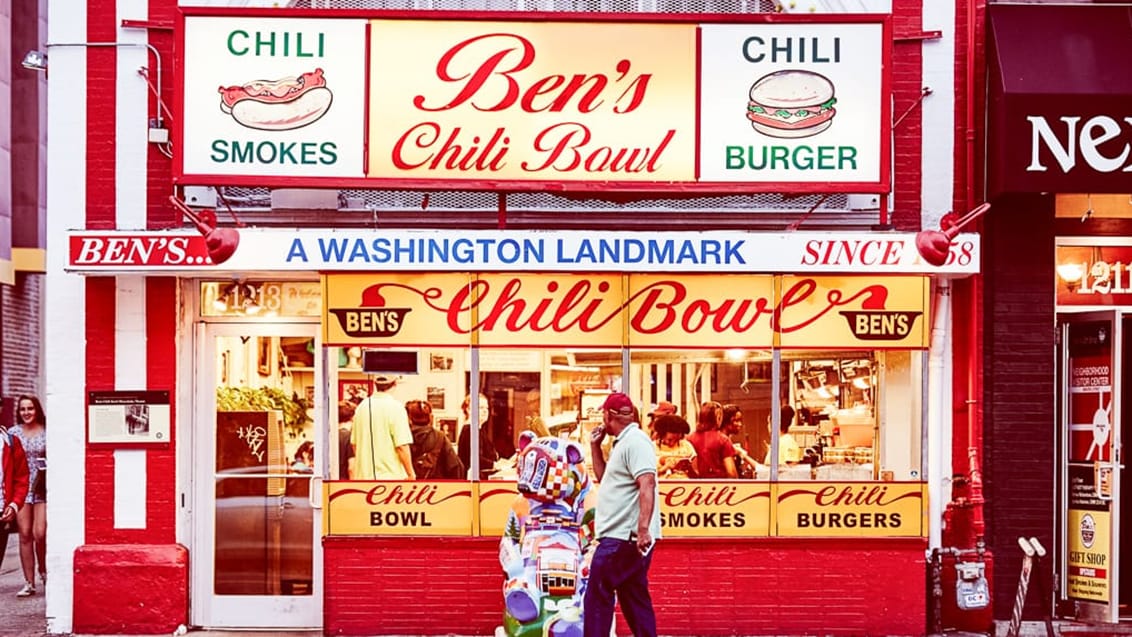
[359,250]
[792,102]
[274,96]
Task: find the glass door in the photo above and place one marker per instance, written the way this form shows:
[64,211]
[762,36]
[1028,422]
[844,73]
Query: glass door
[258,465]
[1092,380]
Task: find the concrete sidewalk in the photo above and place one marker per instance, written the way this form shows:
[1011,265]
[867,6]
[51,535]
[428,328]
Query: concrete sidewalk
[19,616]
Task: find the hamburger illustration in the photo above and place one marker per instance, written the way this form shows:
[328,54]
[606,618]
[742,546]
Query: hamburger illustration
[791,104]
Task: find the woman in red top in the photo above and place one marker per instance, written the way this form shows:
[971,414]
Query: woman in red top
[714,451]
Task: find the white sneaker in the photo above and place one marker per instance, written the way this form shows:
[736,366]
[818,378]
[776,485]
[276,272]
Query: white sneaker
[27,591]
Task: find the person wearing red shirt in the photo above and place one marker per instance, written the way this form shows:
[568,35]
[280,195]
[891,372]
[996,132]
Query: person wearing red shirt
[715,453]
[14,477]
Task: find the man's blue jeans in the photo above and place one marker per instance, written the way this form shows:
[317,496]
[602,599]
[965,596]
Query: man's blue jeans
[618,567]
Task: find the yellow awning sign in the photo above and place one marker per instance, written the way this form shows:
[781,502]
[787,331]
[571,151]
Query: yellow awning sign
[599,310]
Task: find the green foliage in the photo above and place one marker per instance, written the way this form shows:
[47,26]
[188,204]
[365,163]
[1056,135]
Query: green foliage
[512,531]
[262,399]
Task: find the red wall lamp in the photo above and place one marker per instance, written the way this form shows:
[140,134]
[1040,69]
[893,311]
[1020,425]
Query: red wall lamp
[935,245]
[221,242]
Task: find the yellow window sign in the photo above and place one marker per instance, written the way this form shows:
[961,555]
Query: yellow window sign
[714,311]
[398,508]
[875,312]
[865,509]
[401,309]
[1089,538]
[714,509]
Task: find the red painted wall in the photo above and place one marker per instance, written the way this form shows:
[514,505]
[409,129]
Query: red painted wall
[436,586]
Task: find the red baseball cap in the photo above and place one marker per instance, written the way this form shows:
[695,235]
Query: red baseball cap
[619,403]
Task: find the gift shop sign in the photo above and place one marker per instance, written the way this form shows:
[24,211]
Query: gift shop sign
[597,310]
[398,508]
[861,509]
[1089,537]
[511,104]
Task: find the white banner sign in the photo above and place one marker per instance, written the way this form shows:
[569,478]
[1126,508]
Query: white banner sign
[314,250]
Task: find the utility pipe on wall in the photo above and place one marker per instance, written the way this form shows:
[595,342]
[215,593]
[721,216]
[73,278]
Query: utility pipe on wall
[938,377]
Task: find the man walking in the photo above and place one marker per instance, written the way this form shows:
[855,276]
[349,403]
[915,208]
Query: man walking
[381,436]
[627,523]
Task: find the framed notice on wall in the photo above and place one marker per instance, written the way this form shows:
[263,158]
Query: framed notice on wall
[128,417]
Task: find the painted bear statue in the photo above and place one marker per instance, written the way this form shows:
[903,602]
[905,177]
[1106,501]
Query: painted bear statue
[547,544]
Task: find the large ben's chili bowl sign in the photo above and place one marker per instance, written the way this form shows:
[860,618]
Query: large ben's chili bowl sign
[598,310]
[411,99]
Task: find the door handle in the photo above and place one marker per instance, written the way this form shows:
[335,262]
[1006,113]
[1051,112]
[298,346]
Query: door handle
[314,493]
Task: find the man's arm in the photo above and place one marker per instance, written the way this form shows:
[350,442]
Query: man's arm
[646,486]
[596,456]
[729,467]
[406,458]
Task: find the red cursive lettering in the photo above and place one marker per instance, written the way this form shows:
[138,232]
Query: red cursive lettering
[498,60]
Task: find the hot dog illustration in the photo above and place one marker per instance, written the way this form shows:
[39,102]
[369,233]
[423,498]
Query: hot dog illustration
[275,105]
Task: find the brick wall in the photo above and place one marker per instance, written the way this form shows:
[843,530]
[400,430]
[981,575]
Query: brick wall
[1018,362]
[907,80]
[20,346]
[439,586]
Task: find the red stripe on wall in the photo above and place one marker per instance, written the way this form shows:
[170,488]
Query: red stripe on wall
[100,319]
[101,106]
[161,357]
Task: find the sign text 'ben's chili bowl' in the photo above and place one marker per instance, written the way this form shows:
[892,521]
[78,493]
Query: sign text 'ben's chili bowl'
[505,101]
[596,310]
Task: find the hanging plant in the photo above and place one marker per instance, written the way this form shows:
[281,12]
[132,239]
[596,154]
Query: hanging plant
[262,399]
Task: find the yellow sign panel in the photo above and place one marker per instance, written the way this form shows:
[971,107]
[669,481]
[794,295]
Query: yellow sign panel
[496,500]
[549,309]
[695,508]
[398,508]
[1089,537]
[860,509]
[723,311]
[397,309]
[596,310]
[687,508]
[875,312]
[543,101]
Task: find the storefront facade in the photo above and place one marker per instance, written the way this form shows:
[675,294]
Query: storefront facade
[1058,167]
[213,353]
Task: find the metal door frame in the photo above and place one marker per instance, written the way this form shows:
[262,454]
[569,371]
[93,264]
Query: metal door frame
[1084,609]
[245,611]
